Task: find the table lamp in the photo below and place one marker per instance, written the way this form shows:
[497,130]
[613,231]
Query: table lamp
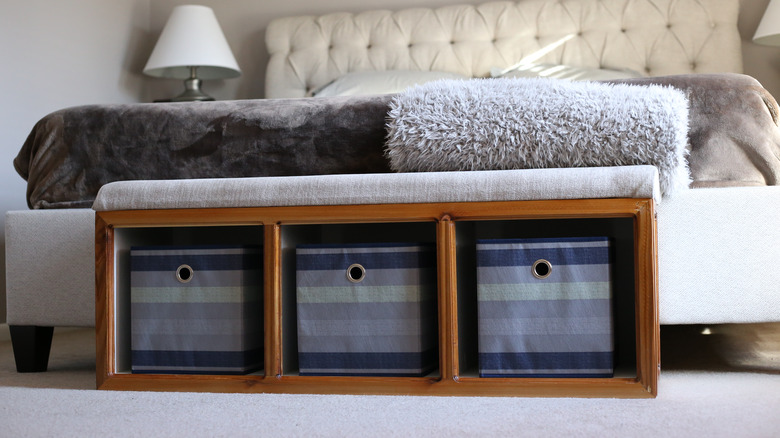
[192,47]
[768,32]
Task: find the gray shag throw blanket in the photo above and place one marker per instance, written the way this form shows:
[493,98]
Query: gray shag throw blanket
[521,123]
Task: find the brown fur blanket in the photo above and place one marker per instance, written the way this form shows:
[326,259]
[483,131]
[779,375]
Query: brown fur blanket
[71,153]
[733,137]
[734,140]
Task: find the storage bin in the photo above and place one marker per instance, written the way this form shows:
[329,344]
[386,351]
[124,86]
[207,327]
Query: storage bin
[196,309]
[545,307]
[367,309]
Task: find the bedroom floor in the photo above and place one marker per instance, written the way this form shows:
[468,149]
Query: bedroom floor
[729,347]
[721,380]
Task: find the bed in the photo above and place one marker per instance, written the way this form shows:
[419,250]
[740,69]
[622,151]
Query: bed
[334,70]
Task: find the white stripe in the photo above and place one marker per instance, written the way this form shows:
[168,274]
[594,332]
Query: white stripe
[367,294]
[544,291]
[190,295]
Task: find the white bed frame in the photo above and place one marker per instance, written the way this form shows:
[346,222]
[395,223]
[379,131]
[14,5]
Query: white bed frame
[653,37]
[717,247]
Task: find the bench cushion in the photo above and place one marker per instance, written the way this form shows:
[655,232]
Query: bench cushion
[389,188]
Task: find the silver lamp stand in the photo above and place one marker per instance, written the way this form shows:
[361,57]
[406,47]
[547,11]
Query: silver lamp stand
[192,90]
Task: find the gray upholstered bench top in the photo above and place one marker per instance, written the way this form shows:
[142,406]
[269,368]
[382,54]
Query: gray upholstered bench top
[385,188]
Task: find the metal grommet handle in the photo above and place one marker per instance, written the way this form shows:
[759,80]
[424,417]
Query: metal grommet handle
[356,273]
[184,273]
[541,269]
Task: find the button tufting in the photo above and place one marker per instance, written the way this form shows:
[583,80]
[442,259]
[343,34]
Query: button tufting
[642,43]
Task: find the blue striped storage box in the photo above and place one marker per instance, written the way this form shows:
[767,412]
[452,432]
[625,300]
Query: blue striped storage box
[545,307]
[367,309]
[196,309]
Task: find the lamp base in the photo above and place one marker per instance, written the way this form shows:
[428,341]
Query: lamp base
[192,92]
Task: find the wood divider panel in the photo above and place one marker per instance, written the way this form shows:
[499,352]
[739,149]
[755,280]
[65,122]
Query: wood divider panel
[446,216]
[448,303]
[272,302]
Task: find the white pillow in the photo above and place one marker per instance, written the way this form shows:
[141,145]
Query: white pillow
[565,72]
[380,82]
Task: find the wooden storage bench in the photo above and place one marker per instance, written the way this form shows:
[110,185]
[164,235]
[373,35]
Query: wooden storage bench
[448,210]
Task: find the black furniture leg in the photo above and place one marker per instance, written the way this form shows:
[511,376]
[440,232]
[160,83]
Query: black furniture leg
[32,345]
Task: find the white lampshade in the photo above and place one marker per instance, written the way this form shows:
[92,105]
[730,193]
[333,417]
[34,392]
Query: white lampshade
[192,38]
[768,32]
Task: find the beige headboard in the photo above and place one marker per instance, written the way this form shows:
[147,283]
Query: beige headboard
[655,37]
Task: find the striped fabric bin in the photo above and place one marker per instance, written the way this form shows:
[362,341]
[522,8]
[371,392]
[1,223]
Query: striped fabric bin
[545,307]
[367,309]
[196,310]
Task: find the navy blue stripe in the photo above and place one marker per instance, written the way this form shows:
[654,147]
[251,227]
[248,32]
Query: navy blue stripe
[562,375]
[210,262]
[422,373]
[203,359]
[546,240]
[556,256]
[250,369]
[385,361]
[425,246]
[372,260]
[190,247]
[550,361]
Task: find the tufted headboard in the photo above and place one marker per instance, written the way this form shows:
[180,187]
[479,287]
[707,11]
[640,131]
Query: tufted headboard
[654,37]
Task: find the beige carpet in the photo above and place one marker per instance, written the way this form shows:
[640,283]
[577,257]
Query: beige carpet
[722,384]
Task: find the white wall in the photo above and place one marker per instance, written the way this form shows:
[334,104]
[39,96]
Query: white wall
[59,53]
